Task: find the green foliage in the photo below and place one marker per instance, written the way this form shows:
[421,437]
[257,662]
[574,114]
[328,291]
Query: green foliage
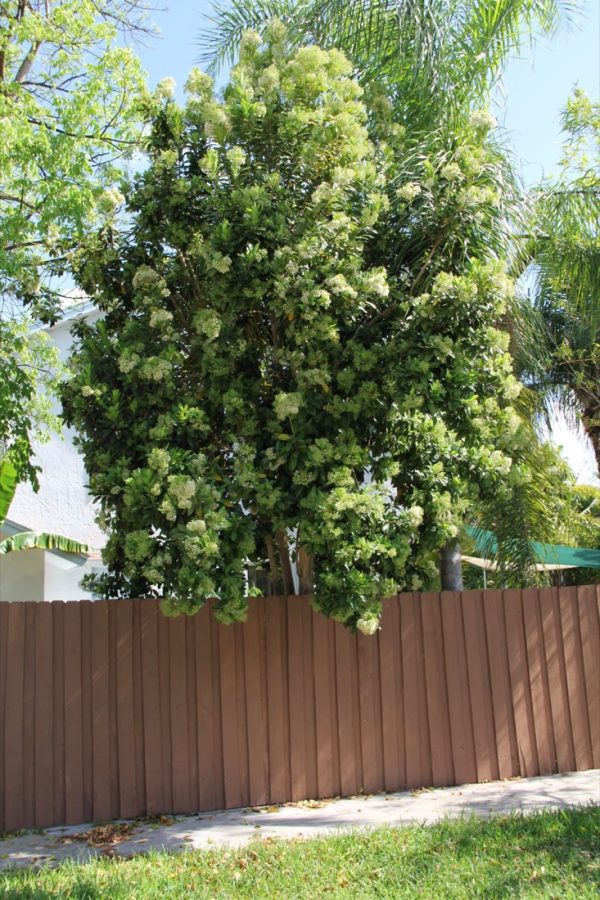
[29,373]
[557,347]
[262,347]
[69,108]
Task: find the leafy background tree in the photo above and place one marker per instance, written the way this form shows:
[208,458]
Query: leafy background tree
[556,332]
[257,356]
[69,115]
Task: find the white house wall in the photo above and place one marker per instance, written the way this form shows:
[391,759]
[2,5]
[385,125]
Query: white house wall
[62,504]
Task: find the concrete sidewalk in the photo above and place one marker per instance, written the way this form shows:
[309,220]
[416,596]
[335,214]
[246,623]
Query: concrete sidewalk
[308,819]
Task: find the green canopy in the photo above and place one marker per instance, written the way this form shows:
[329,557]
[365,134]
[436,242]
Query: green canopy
[547,555]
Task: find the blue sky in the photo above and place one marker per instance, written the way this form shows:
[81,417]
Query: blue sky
[528,105]
[534,90]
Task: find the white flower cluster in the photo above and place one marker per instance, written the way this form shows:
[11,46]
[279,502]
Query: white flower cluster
[483,118]
[409,191]
[160,317]
[368,624]
[451,172]
[182,490]
[287,405]
[165,89]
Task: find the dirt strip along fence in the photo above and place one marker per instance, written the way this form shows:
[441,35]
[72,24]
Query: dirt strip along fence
[109,710]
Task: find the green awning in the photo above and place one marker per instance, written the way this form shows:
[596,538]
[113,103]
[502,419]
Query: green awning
[545,554]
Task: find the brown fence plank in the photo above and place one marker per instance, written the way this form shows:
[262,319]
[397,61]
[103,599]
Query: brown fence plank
[418,758]
[164,690]
[519,681]
[557,679]
[209,712]
[138,706]
[457,681]
[371,729]
[256,705]
[87,737]
[348,743]
[277,700]
[442,769]
[235,790]
[179,745]
[590,646]
[504,724]
[74,808]
[191,713]
[58,710]
[153,767]
[14,711]
[576,688]
[479,687]
[297,712]
[44,743]
[128,799]
[538,679]
[4,611]
[29,744]
[101,712]
[328,763]
[392,700]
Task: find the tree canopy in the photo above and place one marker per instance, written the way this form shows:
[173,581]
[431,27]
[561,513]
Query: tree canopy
[262,350]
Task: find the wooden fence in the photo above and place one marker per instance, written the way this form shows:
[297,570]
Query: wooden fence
[108,709]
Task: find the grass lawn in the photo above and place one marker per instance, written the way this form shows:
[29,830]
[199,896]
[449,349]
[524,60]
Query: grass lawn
[543,855]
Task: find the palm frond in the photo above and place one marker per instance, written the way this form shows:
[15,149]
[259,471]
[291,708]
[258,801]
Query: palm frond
[30,540]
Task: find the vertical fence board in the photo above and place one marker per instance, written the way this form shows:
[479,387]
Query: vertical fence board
[44,743]
[138,707]
[4,613]
[590,645]
[29,743]
[350,762]
[191,712]
[519,681]
[277,701]
[371,729]
[256,706]
[128,799]
[15,702]
[179,744]
[479,687]
[538,679]
[576,687]
[392,700]
[101,712]
[58,711]
[328,770]
[506,741]
[297,712]
[164,690]
[557,679]
[74,807]
[457,681]
[208,700]
[87,738]
[155,798]
[442,769]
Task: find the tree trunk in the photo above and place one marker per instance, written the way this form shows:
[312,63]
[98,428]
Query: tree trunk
[451,567]
[305,566]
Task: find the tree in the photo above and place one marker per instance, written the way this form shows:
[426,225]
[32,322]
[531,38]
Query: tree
[557,348]
[433,64]
[69,97]
[255,358]
[69,112]
[29,376]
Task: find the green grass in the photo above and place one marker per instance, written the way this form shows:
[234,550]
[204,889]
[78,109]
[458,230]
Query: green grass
[544,855]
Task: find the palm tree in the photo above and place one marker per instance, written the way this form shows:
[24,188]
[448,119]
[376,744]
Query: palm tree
[557,348]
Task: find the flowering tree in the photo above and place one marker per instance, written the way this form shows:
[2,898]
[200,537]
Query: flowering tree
[261,387]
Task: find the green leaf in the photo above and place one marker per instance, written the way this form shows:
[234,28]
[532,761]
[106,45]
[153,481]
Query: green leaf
[29,540]
[8,485]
